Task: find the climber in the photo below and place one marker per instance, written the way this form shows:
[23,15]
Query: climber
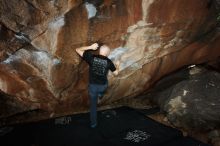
[99,65]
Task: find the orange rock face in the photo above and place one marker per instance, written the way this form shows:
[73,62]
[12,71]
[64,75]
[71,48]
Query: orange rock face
[40,69]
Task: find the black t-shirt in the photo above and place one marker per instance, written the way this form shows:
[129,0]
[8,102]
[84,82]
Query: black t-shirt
[98,67]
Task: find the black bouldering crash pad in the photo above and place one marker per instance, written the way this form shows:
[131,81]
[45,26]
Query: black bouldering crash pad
[116,127]
[185,141]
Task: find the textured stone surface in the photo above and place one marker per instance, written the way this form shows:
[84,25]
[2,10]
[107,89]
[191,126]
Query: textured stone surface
[40,69]
[195,103]
[190,98]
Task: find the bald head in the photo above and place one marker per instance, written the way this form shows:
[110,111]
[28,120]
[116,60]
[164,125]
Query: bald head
[104,50]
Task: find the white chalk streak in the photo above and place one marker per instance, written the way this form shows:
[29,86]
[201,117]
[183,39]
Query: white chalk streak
[10,59]
[117,53]
[57,23]
[41,56]
[91,10]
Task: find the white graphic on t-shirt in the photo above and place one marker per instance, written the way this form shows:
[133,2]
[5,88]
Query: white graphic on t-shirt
[99,66]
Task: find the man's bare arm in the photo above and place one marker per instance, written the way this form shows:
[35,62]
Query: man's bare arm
[81,50]
[117,64]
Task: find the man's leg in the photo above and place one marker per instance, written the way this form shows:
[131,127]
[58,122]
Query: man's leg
[101,91]
[93,105]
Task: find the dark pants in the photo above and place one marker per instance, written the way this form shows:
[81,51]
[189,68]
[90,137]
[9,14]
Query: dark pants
[94,91]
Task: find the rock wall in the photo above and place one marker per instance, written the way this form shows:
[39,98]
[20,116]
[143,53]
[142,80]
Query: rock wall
[40,69]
